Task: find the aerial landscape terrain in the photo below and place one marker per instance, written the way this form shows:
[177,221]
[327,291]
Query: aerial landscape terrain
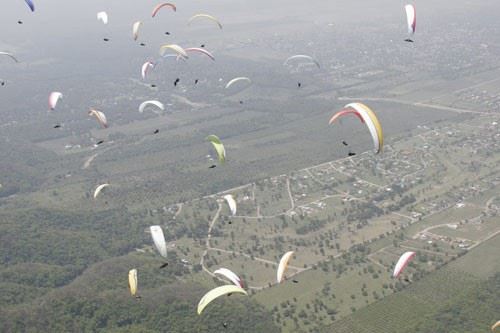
[348,212]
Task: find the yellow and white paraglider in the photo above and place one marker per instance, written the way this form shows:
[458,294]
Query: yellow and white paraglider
[283,265]
[174,47]
[99,189]
[367,116]
[219,147]
[205,16]
[100,117]
[218,292]
[132,282]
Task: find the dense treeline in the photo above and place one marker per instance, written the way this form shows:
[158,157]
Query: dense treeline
[473,312]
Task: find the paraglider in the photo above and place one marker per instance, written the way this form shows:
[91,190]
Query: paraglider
[238,79]
[196,81]
[102,16]
[495,326]
[57,126]
[158,104]
[100,117]
[411,17]
[157,8]
[176,81]
[99,142]
[283,266]
[231,202]
[368,117]
[210,17]
[299,84]
[212,166]
[174,47]
[135,29]
[351,154]
[145,68]
[219,147]
[200,50]
[217,292]
[344,143]
[156,131]
[106,39]
[230,275]
[159,239]
[19,22]
[30,4]
[54,98]
[10,55]
[132,282]
[302,57]
[99,189]
[402,263]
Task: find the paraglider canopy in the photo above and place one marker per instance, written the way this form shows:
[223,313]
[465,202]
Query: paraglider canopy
[238,79]
[159,239]
[99,189]
[302,57]
[174,47]
[54,98]
[219,147]
[206,16]
[283,266]
[158,104]
[231,202]
[367,116]
[135,29]
[132,281]
[411,18]
[10,55]
[103,16]
[403,261]
[30,4]
[157,8]
[100,117]
[218,292]
[230,275]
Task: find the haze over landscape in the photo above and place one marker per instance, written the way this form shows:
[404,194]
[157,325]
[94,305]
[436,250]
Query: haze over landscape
[236,174]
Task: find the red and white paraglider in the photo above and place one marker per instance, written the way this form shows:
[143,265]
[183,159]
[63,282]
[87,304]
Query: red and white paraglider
[403,261]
